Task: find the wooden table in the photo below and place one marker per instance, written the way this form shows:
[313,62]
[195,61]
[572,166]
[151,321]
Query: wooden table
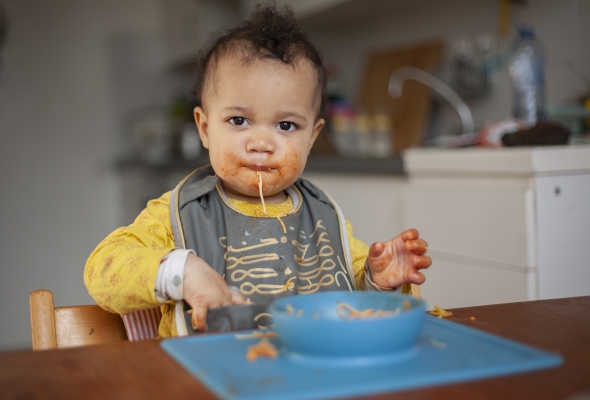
[141,370]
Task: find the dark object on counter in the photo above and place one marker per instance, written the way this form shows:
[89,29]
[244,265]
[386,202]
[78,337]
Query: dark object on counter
[542,134]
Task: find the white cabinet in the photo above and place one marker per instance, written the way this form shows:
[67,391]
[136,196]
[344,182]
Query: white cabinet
[563,218]
[502,225]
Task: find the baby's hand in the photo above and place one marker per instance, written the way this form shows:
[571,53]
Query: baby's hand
[204,288]
[398,260]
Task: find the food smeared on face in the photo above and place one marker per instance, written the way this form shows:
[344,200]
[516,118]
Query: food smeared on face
[261,120]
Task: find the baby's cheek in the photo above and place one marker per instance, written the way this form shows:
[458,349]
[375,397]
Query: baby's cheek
[227,165]
[291,167]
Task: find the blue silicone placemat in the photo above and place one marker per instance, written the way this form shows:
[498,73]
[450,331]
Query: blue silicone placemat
[446,352]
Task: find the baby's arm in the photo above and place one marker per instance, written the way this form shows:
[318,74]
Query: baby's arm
[398,261]
[136,267]
[121,272]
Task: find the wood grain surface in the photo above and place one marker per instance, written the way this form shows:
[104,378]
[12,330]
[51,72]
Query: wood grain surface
[142,370]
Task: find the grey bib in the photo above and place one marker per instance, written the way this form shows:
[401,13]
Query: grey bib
[265,258]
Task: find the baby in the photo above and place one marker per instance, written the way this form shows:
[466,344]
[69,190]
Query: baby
[247,228]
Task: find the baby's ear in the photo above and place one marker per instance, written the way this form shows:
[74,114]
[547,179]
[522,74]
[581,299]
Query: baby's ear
[201,121]
[317,128]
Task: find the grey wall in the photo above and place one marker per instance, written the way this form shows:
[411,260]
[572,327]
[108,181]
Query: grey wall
[57,130]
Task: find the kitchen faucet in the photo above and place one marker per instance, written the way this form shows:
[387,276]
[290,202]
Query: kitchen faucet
[402,74]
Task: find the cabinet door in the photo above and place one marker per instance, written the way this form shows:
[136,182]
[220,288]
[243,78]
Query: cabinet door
[483,218]
[480,234]
[460,284]
[563,215]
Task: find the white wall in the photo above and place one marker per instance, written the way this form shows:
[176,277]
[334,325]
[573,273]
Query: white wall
[57,127]
[560,24]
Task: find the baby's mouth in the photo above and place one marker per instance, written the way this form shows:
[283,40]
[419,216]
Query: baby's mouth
[261,168]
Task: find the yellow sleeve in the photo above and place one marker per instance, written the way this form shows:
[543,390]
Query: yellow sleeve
[120,274]
[359,252]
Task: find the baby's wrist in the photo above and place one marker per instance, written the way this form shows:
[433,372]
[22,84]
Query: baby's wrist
[170,276]
[370,283]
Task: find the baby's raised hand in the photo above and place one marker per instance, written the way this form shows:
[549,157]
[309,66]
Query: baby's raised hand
[204,288]
[399,260]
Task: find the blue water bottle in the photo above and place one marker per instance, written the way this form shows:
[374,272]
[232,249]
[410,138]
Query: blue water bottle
[526,67]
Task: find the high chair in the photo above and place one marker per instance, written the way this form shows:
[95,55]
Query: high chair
[54,328]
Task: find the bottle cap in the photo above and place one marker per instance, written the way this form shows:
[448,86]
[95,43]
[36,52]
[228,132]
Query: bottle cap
[525,31]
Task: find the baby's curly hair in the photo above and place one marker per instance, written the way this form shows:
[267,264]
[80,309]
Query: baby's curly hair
[268,34]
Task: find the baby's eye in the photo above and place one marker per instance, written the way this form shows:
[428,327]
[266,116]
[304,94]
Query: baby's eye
[287,126]
[238,121]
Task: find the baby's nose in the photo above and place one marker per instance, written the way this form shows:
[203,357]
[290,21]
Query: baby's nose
[260,143]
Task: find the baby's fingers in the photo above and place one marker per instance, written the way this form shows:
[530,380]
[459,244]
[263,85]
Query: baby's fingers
[410,234]
[376,249]
[379,257]
[417,278]
[418,246]
[421,262]
[237,297]
[199,317]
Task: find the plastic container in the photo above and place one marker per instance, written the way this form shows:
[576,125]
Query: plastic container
[311,326]
[526,67]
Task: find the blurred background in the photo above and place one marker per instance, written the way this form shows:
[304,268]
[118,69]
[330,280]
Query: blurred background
[95,113]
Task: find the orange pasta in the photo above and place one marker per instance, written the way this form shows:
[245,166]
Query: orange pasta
[260,190]
[264,348]
[439,312]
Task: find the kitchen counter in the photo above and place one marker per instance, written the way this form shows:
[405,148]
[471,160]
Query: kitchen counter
[502,225]
[515,161]
[393,165]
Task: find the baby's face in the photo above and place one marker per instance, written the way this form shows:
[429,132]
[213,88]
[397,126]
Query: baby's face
[259,117]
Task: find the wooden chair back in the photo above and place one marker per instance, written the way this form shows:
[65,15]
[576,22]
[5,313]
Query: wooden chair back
[54,328]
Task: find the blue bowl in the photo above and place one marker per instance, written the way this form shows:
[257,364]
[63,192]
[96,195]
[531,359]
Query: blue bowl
[310,325]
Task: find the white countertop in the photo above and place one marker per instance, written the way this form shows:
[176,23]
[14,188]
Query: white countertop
[515,161]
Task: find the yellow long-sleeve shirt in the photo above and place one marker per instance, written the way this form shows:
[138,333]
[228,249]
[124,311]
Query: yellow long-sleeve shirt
[121,272]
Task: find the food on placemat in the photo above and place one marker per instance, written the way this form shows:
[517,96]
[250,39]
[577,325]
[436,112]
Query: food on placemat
[439,312]
[264,348]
